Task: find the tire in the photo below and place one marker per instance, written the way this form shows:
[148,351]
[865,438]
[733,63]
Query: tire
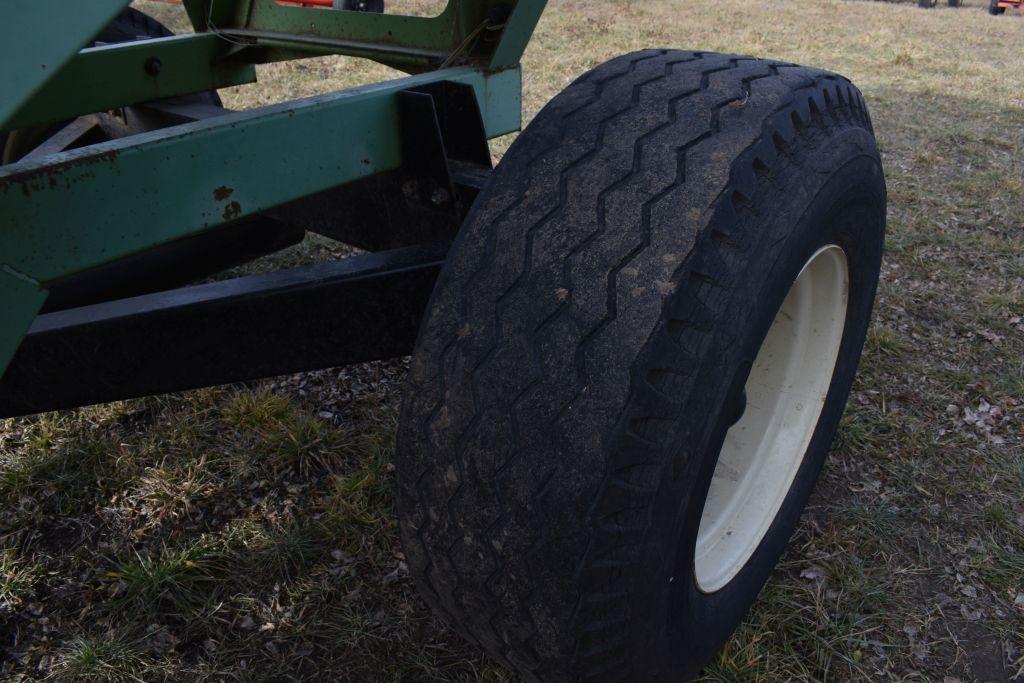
[588,343]
[926,4]
[129,25]
[954,3]
[994,9]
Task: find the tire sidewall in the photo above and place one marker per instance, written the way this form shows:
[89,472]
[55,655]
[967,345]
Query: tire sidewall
[697,624]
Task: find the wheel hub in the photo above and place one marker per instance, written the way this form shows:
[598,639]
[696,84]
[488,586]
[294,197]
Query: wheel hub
[783,399]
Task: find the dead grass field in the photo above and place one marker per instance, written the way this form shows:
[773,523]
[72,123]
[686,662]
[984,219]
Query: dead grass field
[245,533]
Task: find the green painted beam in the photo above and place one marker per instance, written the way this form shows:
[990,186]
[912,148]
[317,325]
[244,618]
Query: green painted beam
[38,36]
[116,75]
[429,34]
[502,100]
[271,45]
[81,208]
[518,31]
[412,43]
[20,300]
[111,76]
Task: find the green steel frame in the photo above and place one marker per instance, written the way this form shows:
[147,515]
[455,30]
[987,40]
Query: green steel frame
[71,211]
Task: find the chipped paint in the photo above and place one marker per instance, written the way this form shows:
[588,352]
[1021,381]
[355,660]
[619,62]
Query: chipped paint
[232,211]
[37,179]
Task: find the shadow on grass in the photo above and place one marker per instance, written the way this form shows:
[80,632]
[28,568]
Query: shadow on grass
[237,533]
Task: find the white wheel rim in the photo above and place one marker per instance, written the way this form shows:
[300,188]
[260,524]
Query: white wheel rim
[786,391]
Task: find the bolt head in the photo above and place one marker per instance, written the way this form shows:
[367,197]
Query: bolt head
[439,196]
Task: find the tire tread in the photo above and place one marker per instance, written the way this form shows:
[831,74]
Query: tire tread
[501,601]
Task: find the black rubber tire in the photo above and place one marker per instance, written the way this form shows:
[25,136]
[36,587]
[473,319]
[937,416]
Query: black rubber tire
[129,25]
[994,9]
[926,4]
[587,345]
[954,3]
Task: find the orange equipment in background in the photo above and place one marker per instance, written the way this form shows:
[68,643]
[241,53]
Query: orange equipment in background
[1000,6]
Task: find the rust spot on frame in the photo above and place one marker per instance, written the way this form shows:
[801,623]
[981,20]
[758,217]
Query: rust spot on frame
[232,211]
[48,177]
[222,193]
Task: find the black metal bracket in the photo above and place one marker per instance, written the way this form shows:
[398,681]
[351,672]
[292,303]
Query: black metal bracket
[173,264]
[459,122]
[424,153]
[441,128]
[446,161]
[362,308]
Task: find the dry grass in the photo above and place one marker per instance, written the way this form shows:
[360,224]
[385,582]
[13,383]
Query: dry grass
[246,533]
